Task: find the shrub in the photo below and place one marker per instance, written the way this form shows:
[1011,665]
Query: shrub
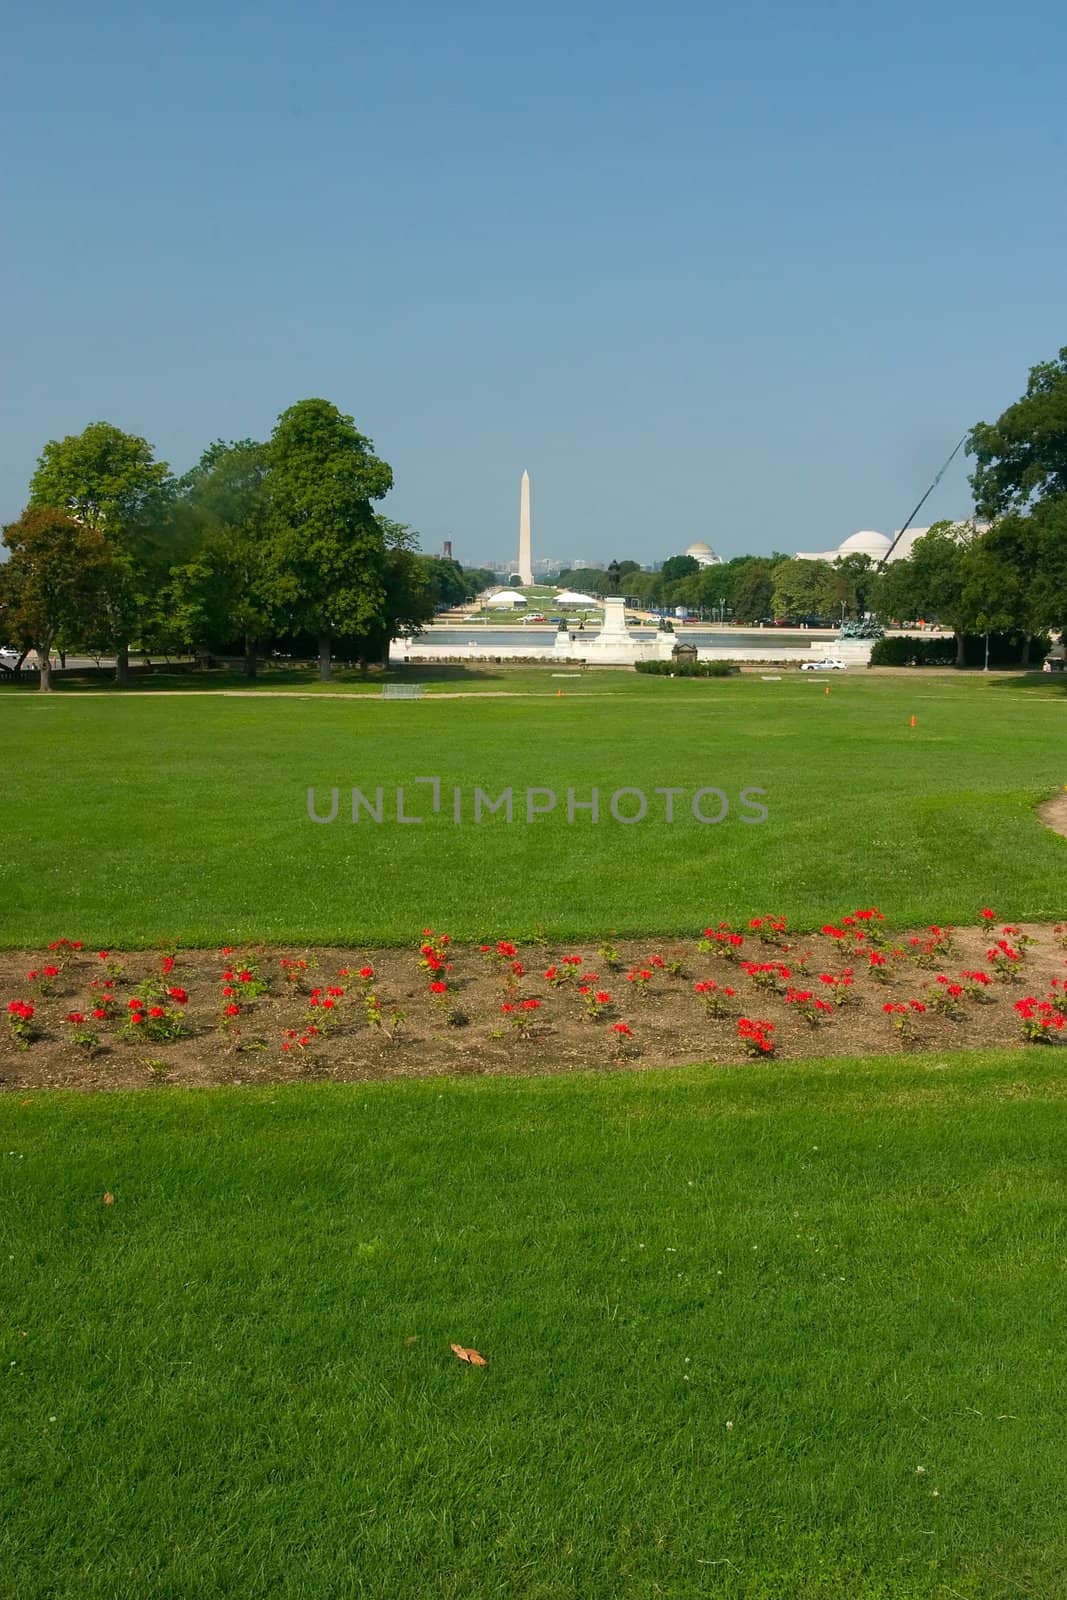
[688,669]
[914,650]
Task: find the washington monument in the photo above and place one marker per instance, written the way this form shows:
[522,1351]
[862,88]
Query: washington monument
[525,562]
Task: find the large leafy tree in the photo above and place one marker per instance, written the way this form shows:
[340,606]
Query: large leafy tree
[111,482]
[56,584]
[932,582]
[1022,457]
[221,593]
[753,590]
[803,588]
[676,567]
[326,548]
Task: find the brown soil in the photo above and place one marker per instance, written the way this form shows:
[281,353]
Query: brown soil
[467,1034]
[1054,813]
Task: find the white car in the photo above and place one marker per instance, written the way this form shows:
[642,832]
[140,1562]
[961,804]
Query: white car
[9,657]
[831,664]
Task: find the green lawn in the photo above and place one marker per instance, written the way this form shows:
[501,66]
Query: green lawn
[755,1334]
[131,819]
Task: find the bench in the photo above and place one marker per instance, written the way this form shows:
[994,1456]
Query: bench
[402,691]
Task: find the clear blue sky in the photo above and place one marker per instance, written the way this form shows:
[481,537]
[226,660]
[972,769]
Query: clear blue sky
[736,273]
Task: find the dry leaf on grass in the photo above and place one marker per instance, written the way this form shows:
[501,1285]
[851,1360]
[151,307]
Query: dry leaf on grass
[109,1198]
[470,1356]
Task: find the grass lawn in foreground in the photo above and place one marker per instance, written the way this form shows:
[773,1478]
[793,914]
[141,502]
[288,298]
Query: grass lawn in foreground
[139,818]
[752,1334]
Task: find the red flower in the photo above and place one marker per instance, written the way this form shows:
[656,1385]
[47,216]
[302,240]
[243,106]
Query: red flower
[21,1009]
[366,972]
[233,1010]
[337,993]
[245,976]
[102,955]
[75,1016]
[101,1016]
[438,987]
[622,1028]
[603,998]
[135,1005]
[156,1011]
[168,965]
[179,996]
[987,915]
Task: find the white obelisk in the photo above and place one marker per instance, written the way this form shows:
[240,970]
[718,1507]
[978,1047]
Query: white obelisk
[525,566]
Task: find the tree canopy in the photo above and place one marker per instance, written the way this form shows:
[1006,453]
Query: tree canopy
[327,550]
[1022,457]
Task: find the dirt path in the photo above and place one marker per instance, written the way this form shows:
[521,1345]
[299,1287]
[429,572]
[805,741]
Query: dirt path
[1054,813]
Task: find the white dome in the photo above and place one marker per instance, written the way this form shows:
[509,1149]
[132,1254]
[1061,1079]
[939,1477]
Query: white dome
[865,543]
[703,554]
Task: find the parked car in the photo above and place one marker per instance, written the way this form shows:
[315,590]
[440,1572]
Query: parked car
[9,656]
[535,616]
[830,664]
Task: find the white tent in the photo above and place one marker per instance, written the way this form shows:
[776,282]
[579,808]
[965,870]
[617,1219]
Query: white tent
[506,599]
[570,597]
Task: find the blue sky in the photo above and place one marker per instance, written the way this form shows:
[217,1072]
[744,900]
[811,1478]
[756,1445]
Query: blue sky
[739,274]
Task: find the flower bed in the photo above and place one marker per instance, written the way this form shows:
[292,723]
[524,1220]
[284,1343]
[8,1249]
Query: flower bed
[74,1017]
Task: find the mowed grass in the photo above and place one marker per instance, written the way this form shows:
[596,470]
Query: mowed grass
[130,820]
[756,1334]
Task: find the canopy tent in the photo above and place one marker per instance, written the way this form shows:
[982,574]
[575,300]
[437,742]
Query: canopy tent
[571,597]
[505,599]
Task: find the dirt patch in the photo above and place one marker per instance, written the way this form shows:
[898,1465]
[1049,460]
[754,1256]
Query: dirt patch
[255,1015]
[1054,813]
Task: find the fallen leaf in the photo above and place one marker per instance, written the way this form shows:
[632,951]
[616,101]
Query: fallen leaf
[109,1198]
[471,1356]
[411,1338]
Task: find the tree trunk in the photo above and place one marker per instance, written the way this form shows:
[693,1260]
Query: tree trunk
[44,661]
[324,657]
[250,656]
[1024,655]
[959,649]
[122,666]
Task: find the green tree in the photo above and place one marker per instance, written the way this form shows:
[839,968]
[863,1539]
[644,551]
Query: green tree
[1022,457]
[853,583]
[445,578]
[54,587]
[676,567]
[110,481]
[222,593]
[803,588]
[931,582]
[753,590]
[327,550]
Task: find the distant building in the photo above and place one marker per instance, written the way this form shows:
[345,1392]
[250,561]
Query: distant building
[878,545]
[704,555]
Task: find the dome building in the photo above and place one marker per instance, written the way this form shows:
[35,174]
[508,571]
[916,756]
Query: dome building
[875,545]
[703,554]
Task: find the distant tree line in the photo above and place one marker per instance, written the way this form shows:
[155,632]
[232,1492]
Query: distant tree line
[277,547]
[261,547]
[1003,573]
